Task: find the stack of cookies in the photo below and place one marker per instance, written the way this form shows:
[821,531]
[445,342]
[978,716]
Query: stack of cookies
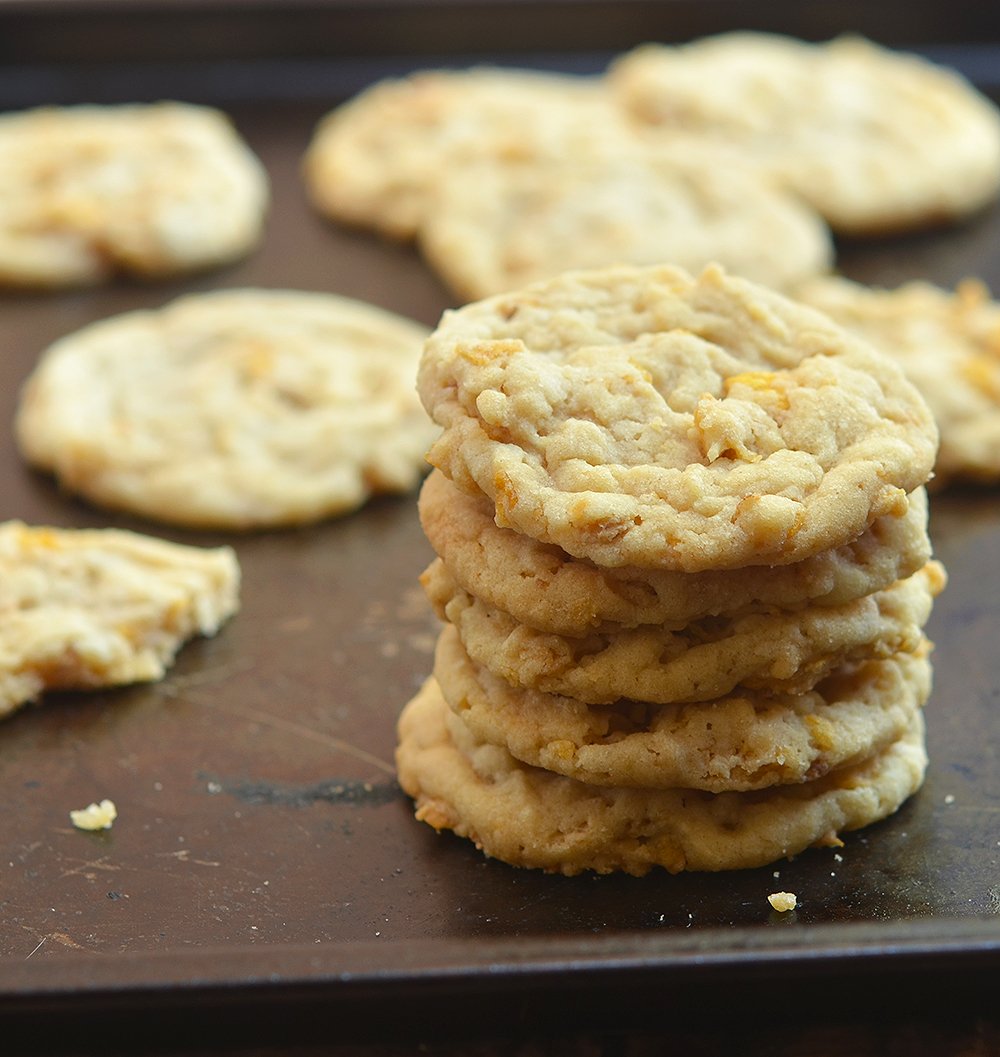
[684,572]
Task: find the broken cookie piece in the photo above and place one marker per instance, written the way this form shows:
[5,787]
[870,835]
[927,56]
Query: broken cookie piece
[87,608]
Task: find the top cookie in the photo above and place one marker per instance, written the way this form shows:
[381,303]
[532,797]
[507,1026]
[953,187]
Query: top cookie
[644,417]
[232,410]
[948,345]
[875,140]
[376,160]
[88,191]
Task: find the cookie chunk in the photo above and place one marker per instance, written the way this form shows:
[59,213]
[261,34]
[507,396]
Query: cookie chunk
[526,816]
[639,416]
[875,140]
[153,190]
[948,345]
[773,651]
[86,608]
[233,410]
[541,586]
[376,160]
[494,228]
[744,740]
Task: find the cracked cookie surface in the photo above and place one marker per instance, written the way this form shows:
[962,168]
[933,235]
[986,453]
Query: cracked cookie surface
[744,740]
[776,651]
[530,817]
[542,586]
[642,416]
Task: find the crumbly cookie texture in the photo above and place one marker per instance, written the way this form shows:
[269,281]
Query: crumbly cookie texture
[90,191]
[530,817]
[376,160]
[234,410]
[875,140]
[496,228]
[641,416]
[744,740]
[773,651]
[948,345]
[541,586]
[86,608]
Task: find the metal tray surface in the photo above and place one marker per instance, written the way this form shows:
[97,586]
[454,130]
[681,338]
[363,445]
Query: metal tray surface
[263,851]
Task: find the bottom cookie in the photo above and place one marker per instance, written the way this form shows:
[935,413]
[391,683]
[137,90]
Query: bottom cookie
[529,817]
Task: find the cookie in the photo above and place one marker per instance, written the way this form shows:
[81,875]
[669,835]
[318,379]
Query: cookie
[877,141]
[87,192]
[496,228]
[238,409]
[948,345]
[86,608]
[376,160]
[640,416]
[741,741]
[540,585]
[530,817]
[772,650]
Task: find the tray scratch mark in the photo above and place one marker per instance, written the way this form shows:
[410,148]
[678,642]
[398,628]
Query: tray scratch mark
[184,855]
[181,683]
[58,937]
[314,735]
[91,865]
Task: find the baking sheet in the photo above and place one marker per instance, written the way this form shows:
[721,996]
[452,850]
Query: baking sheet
[263,853]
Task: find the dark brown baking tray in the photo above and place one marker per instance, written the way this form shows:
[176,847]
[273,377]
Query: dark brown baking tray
[265,874]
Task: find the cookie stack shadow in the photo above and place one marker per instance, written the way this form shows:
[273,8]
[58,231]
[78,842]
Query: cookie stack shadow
[617,719]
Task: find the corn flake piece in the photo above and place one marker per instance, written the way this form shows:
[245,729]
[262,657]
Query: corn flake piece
[95,816]
[782,901]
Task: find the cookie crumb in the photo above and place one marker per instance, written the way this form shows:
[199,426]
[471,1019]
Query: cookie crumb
[95,816]
[782,901]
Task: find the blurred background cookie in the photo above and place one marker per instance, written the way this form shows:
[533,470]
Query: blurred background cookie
[237,409]
[876,140]
[88,192]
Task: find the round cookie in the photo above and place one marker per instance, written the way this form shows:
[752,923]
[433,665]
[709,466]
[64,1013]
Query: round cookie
[85,608]
[774,651]
[237,409]
[875,140]
[948,345]
[376,160]
[640,416]
[496,228]
[741,741]
[541,586]
[530,817]
[153,190]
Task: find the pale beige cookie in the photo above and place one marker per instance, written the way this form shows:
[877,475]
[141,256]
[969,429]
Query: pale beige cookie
[235,409]
[530,817]
[948,345]
[875,140]
[86,608]
[775,651]
[376,160]
[154,190]
[540,585]
[643,417]
[496,228]
[741,741]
